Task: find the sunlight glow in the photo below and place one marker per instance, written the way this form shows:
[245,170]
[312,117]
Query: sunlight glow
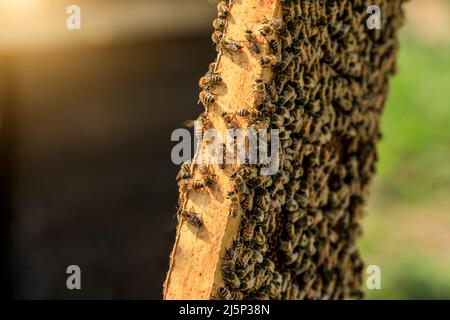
[18,6]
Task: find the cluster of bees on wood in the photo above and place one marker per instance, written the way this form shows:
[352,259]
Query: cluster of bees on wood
[298,230]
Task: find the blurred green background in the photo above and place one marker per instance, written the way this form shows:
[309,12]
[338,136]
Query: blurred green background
[407,230]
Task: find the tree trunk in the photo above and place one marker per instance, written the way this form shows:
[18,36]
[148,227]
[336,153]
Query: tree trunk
[315,72]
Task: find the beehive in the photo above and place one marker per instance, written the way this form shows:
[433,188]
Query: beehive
[315,72]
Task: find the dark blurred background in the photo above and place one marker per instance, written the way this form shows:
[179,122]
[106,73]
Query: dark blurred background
[85,170]
[87,176]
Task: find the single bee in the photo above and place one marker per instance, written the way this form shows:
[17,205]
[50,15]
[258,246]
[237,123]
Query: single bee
[286,246]
[272,90]
[206,98]
[260,91]
[224,9]
[266,30]
[231,278]
[197,185]
[288,94]
[229,120]
[226,294]
[247,230]
[243,113]
[229,45]
[245,258]
[185,171]
[258,256]
[276,24]
[192,218]
[212,67]
[248,172]
[253,42]
[217,37]
[260,243]
[191,185]
[268,265]
[219,24]
[269,27]
[268,61]
[234,198]
[292,205]
[277,120]
[258,214]
[247,284]
[274,46]
[233,210]
[247,203]
[242,273]
[284,34]
[198,126]
[208,180]
[208,80]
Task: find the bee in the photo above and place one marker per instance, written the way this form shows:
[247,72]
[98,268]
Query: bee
[247,230]
[292,205]
[274,46]
[233,197]
[260,91]
[258,256]
[191,185]
[241,185]
[208,180]
[243,113]
[314,107]
[206,98]
[304,240]
[284,34]
[287,59]
[276,24]
[209,79]
[286,246]
[247,284]
[261,295]
[253,42]
[247,203]
[277,120]
[263,199]
[231,278]
[268,61]
[217,37]
[265,30]
[233,210]
[229,45]
[324,251]
[257,214]
[199,125]
[268,265]
[245,258]
[224,9]
[287,95]
[226,294]
[197,185]
[219,24]
[185,171]
[269,27]
[212,67]
[192,218]
[230,121]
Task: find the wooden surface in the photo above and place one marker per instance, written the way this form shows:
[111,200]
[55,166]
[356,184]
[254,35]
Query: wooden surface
[195,270]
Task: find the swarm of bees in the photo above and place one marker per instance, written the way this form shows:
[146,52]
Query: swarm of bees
[298,228]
